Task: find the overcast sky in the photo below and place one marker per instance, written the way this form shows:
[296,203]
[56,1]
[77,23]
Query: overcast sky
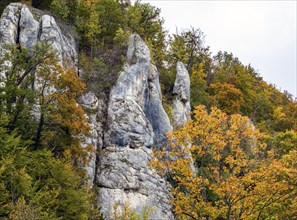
[262,33]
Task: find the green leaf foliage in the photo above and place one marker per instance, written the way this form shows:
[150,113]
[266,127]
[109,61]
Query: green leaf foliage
[41,131]
[42,126]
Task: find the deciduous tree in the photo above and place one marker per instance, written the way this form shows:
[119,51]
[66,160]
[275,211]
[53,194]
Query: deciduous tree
[39,97]
[237,177]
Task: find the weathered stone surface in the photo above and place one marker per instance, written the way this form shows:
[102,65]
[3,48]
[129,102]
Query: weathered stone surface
[94,108]
[122,130]
[181,91]
[125,178]
[28,28]
[181,102]
[132,82]
[135,115]
[154,109]
[9,23]
[128,125]
[18,25]
[65,46]
[137,52]
[137,122]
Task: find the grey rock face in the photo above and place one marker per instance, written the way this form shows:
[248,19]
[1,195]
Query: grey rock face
[64,45]
[135,118]
[137,122]
[28,27]
[18,25]
[135,115]
[9,23]
[125,178]
[154,109]
[94,108]
[181,102]
[137,52]
[181,91]
[128,125]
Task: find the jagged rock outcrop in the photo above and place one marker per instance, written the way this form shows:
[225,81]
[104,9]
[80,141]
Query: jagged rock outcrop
[128,125]
[28,28]
[133,110]
[181,92]
[123,130]
[181,102]
[63,43]
[19,26]
[94,109]
[136,116]
[9,24]
[154,110]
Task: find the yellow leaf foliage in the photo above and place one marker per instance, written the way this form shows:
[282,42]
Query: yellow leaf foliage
[59,89]
[235,175]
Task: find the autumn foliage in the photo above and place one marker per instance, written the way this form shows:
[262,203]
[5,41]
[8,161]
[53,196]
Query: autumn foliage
[42,132]
[233,174]
[62,125]
[220,165]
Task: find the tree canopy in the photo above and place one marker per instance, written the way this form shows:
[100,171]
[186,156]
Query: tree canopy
[41,135]
[233,174]
[242,141]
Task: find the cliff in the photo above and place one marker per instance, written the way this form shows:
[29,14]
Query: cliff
[136,123]
[123,130]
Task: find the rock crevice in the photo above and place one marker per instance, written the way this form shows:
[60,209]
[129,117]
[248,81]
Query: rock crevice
[137,122]
[19,27]
[124,130]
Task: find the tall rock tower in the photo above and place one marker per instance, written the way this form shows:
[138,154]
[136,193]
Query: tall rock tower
[181,92]
[136,123]
[124,129]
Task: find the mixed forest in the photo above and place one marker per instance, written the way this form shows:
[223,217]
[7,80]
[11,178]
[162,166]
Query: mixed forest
[242,137]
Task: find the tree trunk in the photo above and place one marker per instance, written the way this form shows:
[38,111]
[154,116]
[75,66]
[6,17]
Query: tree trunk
[203,180]
[38,132]
[229,213]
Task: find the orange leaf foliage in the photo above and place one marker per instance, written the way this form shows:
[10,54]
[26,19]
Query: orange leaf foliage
[235,176]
